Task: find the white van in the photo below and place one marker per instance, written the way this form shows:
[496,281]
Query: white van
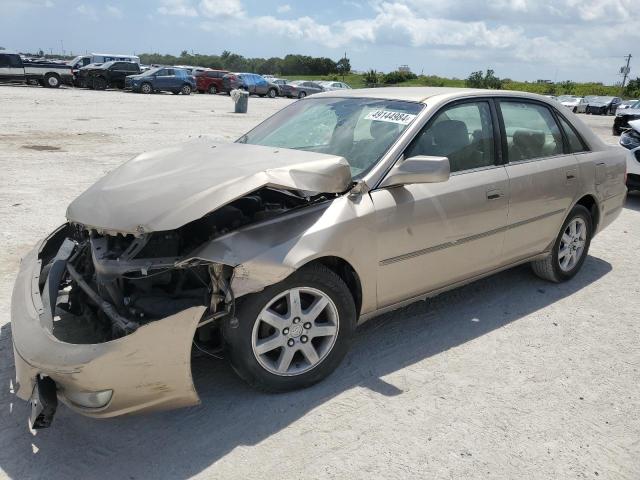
[83,60]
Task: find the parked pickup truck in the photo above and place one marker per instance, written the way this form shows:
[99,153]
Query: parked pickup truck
[48,74]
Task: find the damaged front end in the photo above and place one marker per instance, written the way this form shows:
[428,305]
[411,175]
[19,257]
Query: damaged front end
[107,310]
[119,282]
[117,308]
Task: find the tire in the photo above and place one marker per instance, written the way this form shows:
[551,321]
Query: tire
[285,366]
[575,110]
[52,80]
[302,94]
[616,132]
[213,90]
[146,88]
[550,268]
[186,90]
[272,93]
[99,83]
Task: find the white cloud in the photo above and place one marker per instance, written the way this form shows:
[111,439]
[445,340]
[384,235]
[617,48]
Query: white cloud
[114,11]
[87,10]
[222,8]
[283,8]
[181,8]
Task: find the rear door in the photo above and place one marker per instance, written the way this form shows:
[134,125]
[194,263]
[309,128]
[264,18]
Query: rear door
[543,176]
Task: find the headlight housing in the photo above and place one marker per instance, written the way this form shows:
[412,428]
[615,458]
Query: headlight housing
[630,140]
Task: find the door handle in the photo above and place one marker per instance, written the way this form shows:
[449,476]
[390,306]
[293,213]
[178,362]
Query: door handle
[494,194]
[571,174]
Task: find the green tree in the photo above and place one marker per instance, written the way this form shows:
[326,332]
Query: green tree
[475,80]
[343,66]
[370,77]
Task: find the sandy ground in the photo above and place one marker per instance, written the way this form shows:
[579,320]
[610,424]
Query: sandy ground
[509,377]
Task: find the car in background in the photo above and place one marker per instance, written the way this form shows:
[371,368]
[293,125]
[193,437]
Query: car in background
[210,81]
[552,97]
[627,104]
[109,75]
[332,85]
[624,116]
[84,60]
[50,74]
[80,75]
[251,82]
[300,89]
[630,139]
[575,104]
[603,105]
[162,79]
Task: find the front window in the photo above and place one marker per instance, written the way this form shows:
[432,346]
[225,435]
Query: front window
[359,129]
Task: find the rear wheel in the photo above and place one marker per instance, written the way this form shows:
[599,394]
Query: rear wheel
[186,90]
[272,93]
[292,334]
[213,90]
[570,248]
[302,94]
[51,80]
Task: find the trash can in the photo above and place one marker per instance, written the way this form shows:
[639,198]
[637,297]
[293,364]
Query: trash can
[241,100]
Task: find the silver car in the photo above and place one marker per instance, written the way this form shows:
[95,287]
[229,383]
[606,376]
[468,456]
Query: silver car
[576,104]
[271,250]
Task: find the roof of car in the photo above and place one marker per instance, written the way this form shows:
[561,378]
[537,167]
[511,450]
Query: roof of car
[421,94]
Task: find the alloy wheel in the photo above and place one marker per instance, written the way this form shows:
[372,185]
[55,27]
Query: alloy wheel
[572,244]
[295,331]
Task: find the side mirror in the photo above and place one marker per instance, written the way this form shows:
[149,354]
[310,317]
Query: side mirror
[418,169]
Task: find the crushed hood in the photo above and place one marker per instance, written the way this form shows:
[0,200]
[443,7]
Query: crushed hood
[166,189]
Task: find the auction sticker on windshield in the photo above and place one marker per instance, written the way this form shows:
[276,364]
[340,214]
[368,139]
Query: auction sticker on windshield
[389,116]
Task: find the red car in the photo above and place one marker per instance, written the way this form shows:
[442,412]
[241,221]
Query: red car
[210,81]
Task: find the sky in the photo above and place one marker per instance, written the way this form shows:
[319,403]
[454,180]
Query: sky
[579,40]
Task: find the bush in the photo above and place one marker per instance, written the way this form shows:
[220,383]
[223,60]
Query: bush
[393,78]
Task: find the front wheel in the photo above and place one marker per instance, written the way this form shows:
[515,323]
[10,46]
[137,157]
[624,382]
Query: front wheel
[213,90]
[272,93]
[570,248]
[302,94]
[294,333]
[146,88]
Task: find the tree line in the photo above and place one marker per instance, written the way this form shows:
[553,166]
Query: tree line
[566,87]
[289,65]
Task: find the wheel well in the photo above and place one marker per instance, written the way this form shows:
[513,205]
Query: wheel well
[347,273]
[590,204]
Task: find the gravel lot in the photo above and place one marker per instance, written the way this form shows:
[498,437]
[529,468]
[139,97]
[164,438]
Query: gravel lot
[509,377]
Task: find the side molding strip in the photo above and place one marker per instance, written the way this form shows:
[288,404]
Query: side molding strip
[442,246]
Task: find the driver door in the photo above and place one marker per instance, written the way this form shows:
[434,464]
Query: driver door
[433,235]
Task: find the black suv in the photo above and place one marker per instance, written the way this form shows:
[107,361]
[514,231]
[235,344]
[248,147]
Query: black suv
[110,74]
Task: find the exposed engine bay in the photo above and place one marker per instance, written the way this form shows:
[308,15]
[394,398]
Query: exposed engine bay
[114,284]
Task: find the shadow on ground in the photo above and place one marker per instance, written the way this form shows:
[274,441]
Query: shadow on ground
[182,443]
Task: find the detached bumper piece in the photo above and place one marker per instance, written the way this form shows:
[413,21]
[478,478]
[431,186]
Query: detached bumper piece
[44,402]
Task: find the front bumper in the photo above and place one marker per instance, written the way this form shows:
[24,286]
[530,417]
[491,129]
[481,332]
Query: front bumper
[147,370]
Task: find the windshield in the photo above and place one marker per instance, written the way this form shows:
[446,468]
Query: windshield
[636,105]
[603,99]
[359,129]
